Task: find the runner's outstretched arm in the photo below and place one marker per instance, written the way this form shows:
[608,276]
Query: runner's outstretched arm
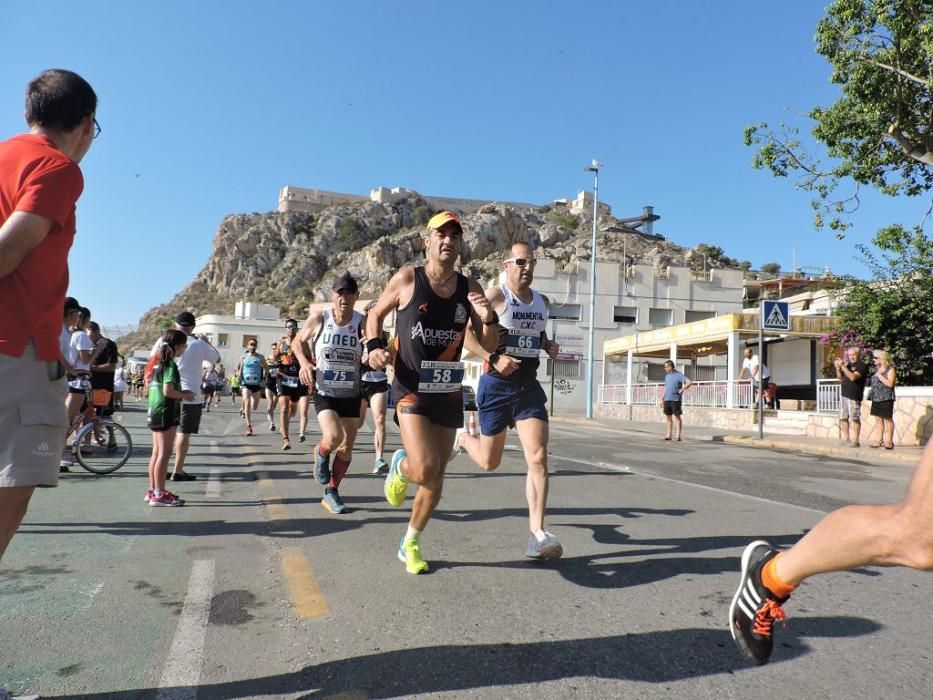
[396,293]
[307,332]
[484,321]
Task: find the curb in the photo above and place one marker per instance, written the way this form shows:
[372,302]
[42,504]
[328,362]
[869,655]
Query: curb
[863,454]
[857,453]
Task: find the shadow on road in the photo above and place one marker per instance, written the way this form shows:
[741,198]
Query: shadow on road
[652,657]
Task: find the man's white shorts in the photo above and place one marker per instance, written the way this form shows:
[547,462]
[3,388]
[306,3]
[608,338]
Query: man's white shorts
[32,420]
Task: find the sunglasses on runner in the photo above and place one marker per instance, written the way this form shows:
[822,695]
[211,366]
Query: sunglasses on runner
[522,262]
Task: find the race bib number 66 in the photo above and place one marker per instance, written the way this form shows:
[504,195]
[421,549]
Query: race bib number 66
[437,377]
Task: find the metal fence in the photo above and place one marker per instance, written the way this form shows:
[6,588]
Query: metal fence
[828,392]
[710,394]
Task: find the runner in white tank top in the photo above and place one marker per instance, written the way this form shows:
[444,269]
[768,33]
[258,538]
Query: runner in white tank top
[333,335]
[374,391]
[509,394]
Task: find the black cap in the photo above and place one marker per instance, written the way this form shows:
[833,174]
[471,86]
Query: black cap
[185,318]
[71,304]
[345,283]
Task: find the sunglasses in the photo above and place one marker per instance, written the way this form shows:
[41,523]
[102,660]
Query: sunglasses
[523,262]
[291,327]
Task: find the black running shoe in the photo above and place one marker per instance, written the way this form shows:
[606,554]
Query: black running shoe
[321,466]
[755,608]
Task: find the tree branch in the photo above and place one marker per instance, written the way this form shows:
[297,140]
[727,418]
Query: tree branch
[910,149]
[901,72]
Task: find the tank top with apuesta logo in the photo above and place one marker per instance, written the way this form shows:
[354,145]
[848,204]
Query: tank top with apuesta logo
[429,340]
[338,354]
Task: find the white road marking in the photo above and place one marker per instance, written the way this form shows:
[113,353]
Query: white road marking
[626,469]
[215,446]
[213,484]
[183,664]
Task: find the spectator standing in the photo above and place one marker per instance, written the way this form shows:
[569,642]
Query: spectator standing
[852,374]
[103,368]
[675,384]
[190,365]
[119,383]
[40,183]
[751,365]
[882,399]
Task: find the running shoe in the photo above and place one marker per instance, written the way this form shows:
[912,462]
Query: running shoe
[165,499]
[249,430]
[396,485]
[148,496]
[548,548]
[301,437]
[457,450]
[286,444]
[321,466]
[271,427]
[332,502]
[409,553]
[64,466]
[183,476]
[754,608]
[380,467]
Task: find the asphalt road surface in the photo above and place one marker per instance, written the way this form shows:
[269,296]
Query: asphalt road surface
[253,590]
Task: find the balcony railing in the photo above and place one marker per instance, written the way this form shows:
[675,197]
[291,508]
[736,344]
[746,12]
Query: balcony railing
[708,394]
[828,392]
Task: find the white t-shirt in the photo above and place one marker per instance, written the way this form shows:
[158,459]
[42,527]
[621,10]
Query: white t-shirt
[190,365]
[80,341]
[751,364]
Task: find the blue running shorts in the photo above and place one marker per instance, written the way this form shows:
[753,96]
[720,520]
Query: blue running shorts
[501,403]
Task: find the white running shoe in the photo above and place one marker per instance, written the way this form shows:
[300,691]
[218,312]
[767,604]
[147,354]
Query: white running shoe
[457,450]
[548,548]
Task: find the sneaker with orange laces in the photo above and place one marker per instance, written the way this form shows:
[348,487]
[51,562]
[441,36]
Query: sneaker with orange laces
[755,608]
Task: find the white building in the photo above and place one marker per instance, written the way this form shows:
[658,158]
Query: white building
[644,298]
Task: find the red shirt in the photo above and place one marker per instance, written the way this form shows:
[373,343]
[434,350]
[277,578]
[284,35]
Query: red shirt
[37,178]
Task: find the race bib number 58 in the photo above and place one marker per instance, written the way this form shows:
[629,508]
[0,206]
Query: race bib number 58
[436,377]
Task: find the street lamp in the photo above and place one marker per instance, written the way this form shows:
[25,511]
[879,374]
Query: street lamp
[594,167]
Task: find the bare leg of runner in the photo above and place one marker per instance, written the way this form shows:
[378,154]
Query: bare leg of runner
[898,534]
[14,500]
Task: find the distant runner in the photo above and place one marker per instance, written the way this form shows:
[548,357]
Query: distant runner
[292,393]
[252,369]
[375,394]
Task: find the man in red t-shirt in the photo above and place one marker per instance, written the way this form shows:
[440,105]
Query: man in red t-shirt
[40,181]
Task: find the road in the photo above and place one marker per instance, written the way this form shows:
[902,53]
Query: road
[254,591]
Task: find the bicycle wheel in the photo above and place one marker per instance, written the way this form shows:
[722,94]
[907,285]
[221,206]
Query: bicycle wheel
[113,453]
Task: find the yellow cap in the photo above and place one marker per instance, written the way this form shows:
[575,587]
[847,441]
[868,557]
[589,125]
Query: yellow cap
[444,217]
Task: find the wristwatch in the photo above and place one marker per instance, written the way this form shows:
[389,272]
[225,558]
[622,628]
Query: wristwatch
[493,358]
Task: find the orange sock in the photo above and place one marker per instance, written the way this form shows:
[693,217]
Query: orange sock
[773,582]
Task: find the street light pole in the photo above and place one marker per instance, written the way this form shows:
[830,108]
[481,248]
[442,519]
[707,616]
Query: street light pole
[593,168]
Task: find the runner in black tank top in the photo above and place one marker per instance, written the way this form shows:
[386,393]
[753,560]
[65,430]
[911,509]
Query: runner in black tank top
[430,329]
[436,308]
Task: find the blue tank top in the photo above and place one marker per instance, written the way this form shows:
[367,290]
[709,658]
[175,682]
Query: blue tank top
[252,370]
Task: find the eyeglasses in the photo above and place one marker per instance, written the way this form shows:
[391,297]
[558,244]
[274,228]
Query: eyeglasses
[523,262]
[96,128]
[292,327]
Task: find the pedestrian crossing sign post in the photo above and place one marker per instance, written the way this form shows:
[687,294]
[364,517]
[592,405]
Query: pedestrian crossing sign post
[775,316]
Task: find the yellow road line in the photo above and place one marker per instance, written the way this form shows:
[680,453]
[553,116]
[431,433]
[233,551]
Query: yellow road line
[302,586]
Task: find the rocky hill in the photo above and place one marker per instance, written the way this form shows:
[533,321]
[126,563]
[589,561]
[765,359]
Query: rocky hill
[289,259]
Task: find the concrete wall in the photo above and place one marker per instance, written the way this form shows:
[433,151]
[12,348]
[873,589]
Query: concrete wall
[913,419]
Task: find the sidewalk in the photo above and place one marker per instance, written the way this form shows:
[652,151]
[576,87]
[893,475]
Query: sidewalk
[789,443]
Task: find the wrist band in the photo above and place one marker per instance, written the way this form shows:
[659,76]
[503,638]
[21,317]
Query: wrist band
[493,359]
[494,320]
[375,344]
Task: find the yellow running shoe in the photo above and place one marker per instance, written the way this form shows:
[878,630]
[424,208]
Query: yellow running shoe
[396,485]
[409,552]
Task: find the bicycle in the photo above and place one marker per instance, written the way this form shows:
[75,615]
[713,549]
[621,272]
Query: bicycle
[93,451]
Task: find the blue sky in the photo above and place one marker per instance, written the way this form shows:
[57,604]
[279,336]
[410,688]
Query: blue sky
[209,108]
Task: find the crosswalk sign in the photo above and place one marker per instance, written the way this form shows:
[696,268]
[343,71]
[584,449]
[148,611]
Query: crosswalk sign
[775,316]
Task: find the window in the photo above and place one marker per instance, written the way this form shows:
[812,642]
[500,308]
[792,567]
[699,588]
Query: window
[692,315]
[564,368]
[250,339]
[565,312]
[625,314]
[223,340]
[660,317]
[701,275]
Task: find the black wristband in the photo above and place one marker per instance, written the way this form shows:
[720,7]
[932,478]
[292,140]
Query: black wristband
[375,344]
[493,358]
[495,319]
